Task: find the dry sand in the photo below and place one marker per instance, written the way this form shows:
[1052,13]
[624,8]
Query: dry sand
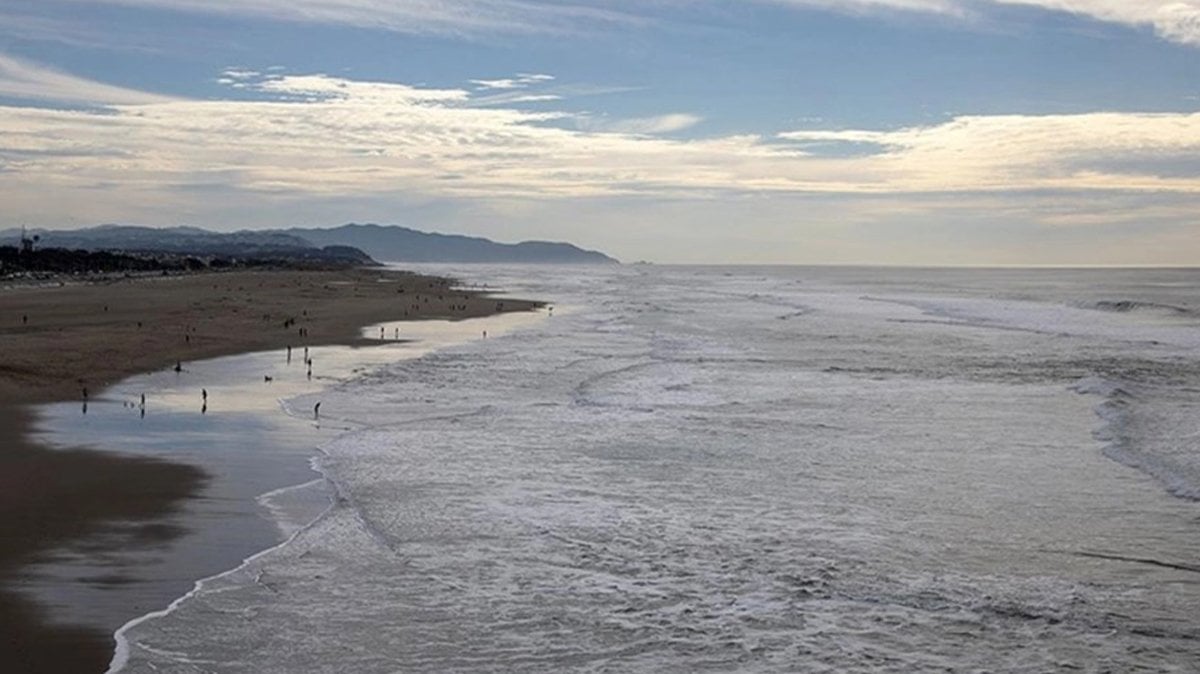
[55,342]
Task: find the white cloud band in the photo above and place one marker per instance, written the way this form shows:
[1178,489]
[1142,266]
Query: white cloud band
[320,136]
[30,81]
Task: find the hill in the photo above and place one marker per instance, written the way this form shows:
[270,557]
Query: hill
[235,246]
[401,244]
[351,243]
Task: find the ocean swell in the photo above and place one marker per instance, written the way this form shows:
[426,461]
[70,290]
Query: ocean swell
[1126,306]
[1142,431]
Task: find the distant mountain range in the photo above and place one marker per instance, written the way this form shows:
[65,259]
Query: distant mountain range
[400,244]
[388,243]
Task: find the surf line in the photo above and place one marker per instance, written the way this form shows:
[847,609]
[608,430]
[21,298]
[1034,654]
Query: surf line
[1137,560]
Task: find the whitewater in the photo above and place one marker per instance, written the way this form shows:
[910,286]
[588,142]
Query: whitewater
[754,469]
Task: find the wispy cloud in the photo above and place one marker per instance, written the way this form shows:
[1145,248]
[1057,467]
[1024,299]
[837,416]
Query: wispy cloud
[446,17]
[668,123]
[1174,20]
[239,74]
[521,81]
[1028,152]
[952,7]
[29,81]
[32,25]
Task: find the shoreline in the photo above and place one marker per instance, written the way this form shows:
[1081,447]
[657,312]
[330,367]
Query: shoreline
[71,494]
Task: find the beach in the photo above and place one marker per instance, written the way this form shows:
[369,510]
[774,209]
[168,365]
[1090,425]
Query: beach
[68,342]
[679,469]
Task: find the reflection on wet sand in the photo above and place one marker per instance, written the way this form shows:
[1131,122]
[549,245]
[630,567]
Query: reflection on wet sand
[242,443]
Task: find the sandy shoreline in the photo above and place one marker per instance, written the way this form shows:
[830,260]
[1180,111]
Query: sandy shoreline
[55,342]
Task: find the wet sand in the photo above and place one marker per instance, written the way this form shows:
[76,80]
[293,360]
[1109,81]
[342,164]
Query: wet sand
[48,498]
[55,342]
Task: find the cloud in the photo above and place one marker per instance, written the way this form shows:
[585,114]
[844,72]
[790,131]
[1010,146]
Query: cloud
[318,137]
[444,17]
[643,125]
[1028,152]
[239,74]
[952,7]
[471,18]
[521,81]
[29,81]
[1174,20]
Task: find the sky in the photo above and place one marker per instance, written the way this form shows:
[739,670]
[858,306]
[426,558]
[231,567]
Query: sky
[911,132]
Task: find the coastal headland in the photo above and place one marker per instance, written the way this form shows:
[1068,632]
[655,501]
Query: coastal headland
[69,341]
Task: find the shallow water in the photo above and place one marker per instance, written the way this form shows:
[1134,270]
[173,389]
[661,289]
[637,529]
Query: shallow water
[765,469]
[225,417]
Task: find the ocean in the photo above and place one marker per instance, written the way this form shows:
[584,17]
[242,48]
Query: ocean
[741,468]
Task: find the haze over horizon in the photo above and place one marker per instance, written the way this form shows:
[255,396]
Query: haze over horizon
[943,132]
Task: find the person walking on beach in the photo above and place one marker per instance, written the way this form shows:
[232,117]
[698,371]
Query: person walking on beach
[204,395]
[178,366]
[317,411]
